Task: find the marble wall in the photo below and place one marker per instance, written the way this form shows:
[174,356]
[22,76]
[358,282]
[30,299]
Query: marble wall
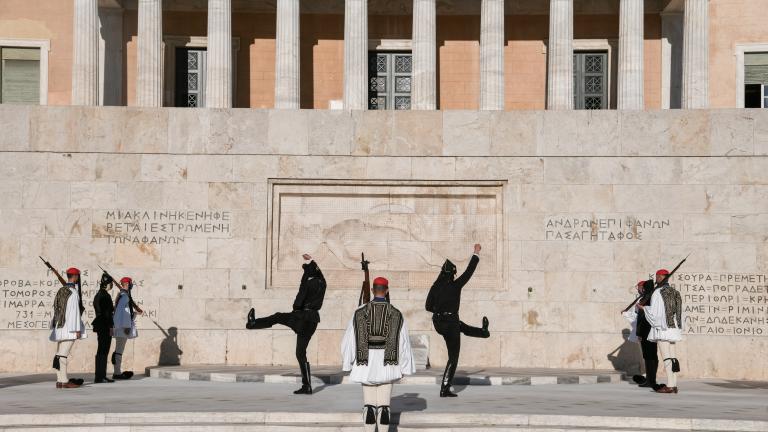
[572,208]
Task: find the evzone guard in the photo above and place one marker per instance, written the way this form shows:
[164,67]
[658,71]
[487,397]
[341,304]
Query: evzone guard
[664,314]
[67,324]
[377,352]
[444,301]
[103,326]
[303,320]
[124,326]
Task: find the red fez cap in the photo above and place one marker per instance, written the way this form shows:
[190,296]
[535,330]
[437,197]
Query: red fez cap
[641,283]
[381,281]
[73,271]
[126,279]
[662,272]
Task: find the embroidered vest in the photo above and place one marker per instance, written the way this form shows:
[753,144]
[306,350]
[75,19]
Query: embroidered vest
[673,306]
[60,306]
[377,326]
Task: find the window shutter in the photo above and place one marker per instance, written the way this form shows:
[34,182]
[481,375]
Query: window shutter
[756,68]
[20,76]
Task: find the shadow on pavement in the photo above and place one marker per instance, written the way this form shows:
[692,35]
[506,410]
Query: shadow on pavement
[744,385]
[405,403]
[26,379]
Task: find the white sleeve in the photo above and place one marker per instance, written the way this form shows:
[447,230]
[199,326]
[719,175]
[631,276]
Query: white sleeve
[74,323]
[656,313]
[407,365]
[122,318]
[348,347]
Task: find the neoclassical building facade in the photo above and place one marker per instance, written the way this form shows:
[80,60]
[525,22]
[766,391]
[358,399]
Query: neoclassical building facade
[386,54]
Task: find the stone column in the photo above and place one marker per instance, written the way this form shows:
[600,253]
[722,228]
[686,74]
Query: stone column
[287,55]
[631,36]
[492,55]
[218,84]
[696,54]
[149,81]
[85,64]
[424,84]
[356,54]
[560,55]
[111,57]
[671,60]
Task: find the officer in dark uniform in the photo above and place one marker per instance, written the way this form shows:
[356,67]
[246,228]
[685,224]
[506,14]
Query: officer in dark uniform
[102,325]
[649,349]
[444,300]
[302,320]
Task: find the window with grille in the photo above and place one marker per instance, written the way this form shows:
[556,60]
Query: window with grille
[190,77]
[756,80]
[19,75]
[590,80]
[389,80]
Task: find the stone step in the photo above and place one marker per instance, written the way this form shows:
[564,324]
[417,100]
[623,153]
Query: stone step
[338,422]
[332,377]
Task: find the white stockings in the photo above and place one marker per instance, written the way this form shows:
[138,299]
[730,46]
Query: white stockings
[376,399]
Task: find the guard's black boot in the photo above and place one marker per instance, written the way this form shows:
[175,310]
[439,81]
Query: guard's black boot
[445,387]
[306,380]
[251,323]
[485,327]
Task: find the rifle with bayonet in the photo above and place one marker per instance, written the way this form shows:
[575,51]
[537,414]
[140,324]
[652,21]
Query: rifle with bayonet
[365,290]
[55,272]
[64,283]
[114,281]
[646,296]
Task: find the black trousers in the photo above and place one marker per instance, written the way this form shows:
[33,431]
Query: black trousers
[651,358]
[450,327]
[303,328]
[104,340]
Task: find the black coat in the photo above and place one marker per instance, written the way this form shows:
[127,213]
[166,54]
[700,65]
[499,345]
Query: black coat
[311,293]
[445,294]
[102,304]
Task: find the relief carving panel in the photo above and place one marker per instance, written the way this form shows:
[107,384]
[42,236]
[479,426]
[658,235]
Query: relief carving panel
[406,230]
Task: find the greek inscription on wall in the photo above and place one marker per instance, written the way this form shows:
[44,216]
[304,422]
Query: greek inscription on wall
[27,303]
[724,303]
[160,226]
[609,228]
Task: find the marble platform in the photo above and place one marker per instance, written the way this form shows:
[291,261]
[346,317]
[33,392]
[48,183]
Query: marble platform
[433,376]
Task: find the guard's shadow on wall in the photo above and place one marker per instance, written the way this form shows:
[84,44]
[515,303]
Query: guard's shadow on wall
[170,352]
[628,356]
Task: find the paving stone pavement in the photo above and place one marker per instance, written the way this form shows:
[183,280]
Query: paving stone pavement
[703,399]
[432,376]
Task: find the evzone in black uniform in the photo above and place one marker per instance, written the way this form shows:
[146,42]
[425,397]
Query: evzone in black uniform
[649,348]
[302,320]
[102,325]
[444,300]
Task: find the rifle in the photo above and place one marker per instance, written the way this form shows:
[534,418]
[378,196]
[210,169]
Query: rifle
[113,281]
[64,283]
[50,267]
[365,290]
[646,296]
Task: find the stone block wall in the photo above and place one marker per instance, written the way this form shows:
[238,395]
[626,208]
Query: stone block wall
[209,211]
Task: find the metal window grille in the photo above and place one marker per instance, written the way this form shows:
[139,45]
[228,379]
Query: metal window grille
[190,77]
[389,80]
[590,79]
